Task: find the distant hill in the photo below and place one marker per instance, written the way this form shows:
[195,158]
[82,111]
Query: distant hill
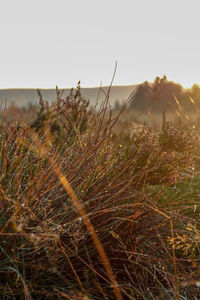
[148,97]
[24,97]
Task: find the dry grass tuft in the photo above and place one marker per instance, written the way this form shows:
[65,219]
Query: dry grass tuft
[89,211]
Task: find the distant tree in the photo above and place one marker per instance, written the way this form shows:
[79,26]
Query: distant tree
[161,95]
[195,92]
[117,105]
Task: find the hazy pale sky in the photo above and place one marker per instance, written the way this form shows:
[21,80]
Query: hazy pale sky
[44,43]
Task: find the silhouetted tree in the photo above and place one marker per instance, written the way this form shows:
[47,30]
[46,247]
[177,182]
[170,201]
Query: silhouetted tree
[162,94]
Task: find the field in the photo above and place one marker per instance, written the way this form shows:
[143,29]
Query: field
[96,206]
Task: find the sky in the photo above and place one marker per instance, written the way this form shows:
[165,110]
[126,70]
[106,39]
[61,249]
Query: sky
[44,43]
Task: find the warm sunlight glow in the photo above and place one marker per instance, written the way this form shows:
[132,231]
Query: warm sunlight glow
[43,48]
[99,149]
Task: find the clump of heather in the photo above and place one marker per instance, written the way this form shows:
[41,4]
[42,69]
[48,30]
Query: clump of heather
[120,181]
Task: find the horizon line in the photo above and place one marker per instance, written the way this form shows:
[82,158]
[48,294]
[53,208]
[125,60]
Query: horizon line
[92,87]
[68,88]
